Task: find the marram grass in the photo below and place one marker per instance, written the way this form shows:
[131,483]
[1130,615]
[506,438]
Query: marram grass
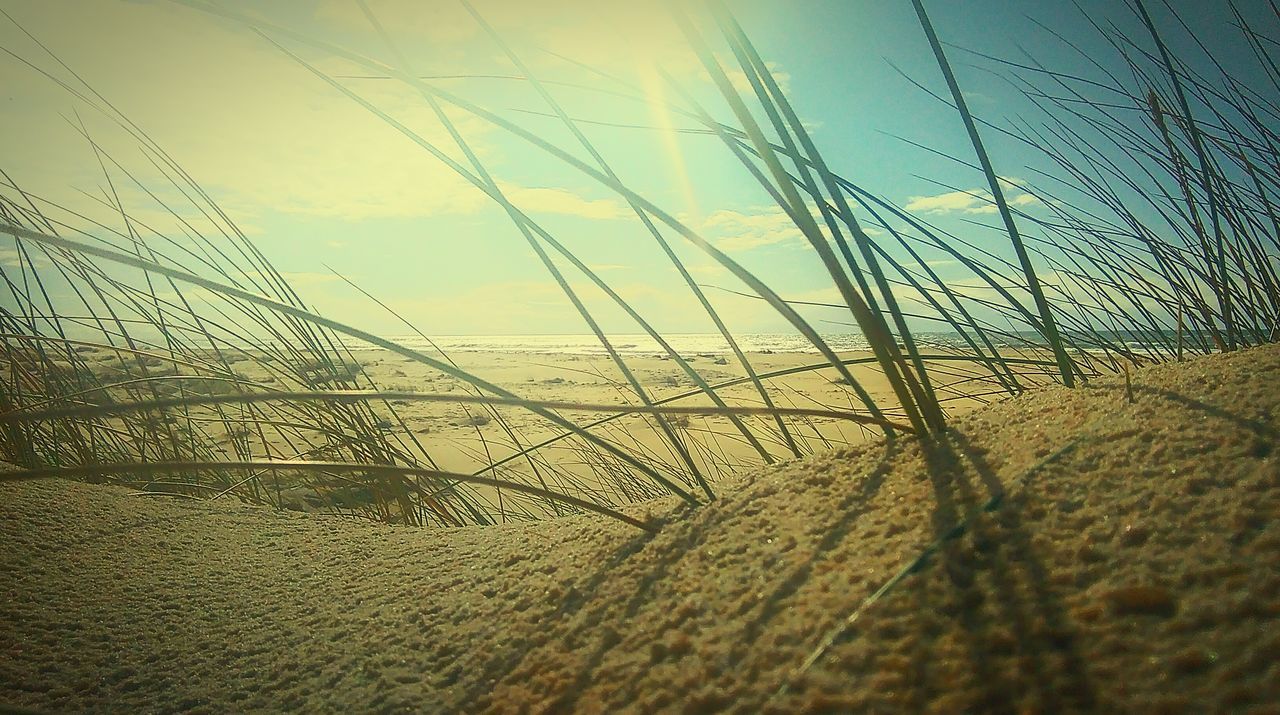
[1159,236]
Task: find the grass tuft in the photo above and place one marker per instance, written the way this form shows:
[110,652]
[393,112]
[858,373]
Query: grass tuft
[182,362]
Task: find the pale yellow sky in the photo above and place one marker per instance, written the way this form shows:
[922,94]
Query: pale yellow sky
[318,181]
[269,141]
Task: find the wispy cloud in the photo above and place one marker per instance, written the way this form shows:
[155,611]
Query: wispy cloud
[707,271]
[739,80]
[736,231]
[971,201]
[11,258]
[561,201]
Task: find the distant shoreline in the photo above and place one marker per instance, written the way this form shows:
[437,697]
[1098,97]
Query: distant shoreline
[705,344]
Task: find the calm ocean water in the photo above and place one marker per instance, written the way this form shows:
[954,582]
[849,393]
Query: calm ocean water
[630,344]
[684,343]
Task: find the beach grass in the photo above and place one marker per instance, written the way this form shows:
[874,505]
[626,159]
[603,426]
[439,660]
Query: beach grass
[249,393]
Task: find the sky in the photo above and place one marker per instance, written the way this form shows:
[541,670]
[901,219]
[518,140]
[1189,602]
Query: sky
[324,187]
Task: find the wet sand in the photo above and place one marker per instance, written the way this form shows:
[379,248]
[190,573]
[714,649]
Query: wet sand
[1068,550]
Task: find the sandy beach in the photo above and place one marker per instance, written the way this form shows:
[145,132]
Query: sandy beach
[693,357]
[464,439]
[467,438]
[1067,550]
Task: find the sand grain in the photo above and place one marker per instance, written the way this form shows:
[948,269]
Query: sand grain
[1128,559]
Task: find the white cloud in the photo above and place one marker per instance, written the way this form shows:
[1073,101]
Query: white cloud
[561,201]
[738,78]
[971,201]
[950,201]
[736,231]
[11,258]
[707,271]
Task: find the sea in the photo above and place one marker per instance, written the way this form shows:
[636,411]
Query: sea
[698,343]
[630,344]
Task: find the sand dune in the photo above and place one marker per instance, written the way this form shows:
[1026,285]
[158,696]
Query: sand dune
[1065,551]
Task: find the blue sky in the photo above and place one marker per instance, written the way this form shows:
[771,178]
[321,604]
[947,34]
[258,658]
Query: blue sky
[318,182]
